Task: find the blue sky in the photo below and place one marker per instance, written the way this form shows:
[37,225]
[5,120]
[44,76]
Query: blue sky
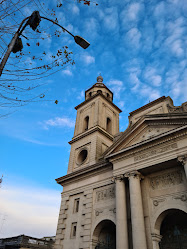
[139,47]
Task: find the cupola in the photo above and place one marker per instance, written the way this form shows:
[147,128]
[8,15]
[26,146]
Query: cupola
[99,88]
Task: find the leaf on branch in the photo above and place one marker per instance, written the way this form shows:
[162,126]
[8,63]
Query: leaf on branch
[56,102]
[37,44]
[28,44]
[59,5]
[87,3]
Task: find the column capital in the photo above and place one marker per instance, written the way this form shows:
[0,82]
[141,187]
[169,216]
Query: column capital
[118,178]
[156,237]
[134,174]
[182,159]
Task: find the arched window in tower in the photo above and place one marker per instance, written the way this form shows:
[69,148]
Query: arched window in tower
[99,91]
[86,123]
[90,94]
[108,95]
[108,125]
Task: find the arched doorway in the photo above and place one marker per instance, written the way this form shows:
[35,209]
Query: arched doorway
[174,230]
[104,236]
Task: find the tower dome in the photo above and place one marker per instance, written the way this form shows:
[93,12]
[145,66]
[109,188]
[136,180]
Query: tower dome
[99,78]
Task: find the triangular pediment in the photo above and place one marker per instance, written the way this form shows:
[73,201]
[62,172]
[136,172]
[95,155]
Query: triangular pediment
[148,127]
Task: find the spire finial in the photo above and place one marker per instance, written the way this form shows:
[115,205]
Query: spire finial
[99,78]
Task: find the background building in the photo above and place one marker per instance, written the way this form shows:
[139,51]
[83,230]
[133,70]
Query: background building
[125,190]
[23,242]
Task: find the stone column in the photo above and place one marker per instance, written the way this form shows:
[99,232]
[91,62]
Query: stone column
[156,239]
[183,160]
[121,214]
[137,216]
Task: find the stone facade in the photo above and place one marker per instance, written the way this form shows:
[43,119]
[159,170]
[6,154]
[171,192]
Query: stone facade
[121,188]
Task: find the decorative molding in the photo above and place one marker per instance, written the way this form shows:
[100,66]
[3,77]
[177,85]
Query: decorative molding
[113,210]
[97,212]
[182,159]
[177,109]
[147,144]
[118,178]
[166,180]
[104,194]
[157,201]
[182,197]
[156,237]
[134,174]
[155,152]
[90,131]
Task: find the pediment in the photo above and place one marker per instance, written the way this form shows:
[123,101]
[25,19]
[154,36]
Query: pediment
[145,133]
[148,127]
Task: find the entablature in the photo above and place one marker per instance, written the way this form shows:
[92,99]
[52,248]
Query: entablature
[163,148]
[88,171]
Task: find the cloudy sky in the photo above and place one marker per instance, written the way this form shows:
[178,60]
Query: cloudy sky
[139,47]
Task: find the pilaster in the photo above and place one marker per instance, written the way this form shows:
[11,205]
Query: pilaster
[137,216]
[183,160]
[156,238]
[121,214]
[86,220]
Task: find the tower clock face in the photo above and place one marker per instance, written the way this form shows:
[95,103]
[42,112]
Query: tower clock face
[82,156]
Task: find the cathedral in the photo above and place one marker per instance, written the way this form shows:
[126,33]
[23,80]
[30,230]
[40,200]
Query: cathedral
[125,190]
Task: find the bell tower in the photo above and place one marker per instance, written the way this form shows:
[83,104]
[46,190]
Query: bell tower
[97,122]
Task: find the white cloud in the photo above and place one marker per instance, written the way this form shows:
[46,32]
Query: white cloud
[67,72]
[134,35]
[133,11]
[59,122]
[152,77]
[115,83]
[156,80]
[160,9]
[75,10]
[135,81]
[88,59]
[81,96]
[117,87]
[176,47]
[30,211]
[91,26]
[121,104]
[111,19]
[149,92]
[174,42]
[131,15]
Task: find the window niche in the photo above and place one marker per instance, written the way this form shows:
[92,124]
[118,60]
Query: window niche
[108,125]
[76,205]
[86,123]
[82,156]
[73,230]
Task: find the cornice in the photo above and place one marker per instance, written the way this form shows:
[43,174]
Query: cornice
[149,105]
[84,172]
[104,86]
[94,96]
[144,145]
[89,187]
[90,131]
